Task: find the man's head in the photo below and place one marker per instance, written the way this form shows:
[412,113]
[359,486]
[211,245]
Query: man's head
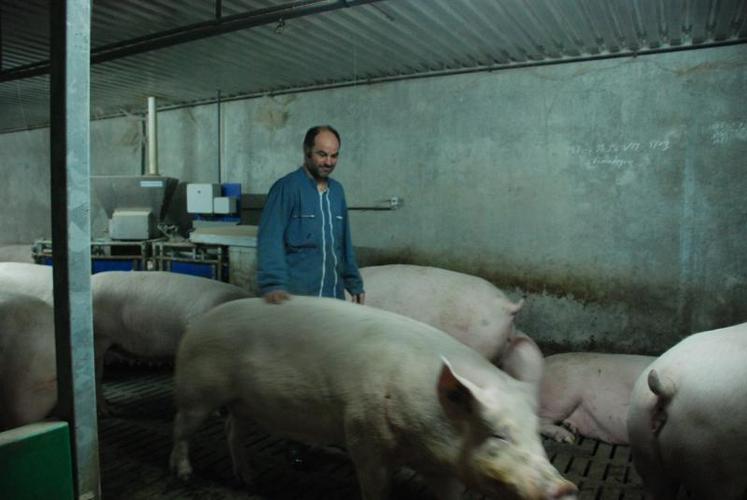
[321,147]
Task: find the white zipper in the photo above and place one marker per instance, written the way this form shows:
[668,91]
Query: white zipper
[324,244]
[332,242]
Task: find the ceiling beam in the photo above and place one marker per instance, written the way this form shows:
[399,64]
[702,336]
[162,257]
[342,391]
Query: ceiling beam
[197,31]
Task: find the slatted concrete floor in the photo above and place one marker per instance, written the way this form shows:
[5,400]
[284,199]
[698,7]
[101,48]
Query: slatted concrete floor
[136,441]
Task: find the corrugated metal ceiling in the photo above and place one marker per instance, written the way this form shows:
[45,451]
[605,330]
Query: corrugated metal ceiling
[248,48]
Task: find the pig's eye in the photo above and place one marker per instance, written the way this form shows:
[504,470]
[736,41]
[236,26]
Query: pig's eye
[500,436]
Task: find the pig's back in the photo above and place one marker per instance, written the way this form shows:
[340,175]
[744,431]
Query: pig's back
[467,307]
[144,290]
[146,312]
[29,279]
[319,328]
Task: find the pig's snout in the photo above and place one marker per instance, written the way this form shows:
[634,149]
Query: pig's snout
[545,484]
[566,490]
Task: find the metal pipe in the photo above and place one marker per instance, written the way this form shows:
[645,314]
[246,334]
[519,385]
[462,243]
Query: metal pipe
[197,31]
[152,137]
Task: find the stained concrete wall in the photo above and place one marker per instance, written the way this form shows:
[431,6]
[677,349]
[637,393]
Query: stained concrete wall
[609,193]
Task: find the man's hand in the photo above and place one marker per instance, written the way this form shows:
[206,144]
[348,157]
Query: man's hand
[358,298]
[276,296]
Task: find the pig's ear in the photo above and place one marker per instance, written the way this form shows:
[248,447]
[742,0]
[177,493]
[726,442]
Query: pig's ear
[514,309]
[456,394]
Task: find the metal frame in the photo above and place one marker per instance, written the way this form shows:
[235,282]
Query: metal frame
[216,256]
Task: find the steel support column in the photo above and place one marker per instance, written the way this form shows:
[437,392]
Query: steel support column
[71,235]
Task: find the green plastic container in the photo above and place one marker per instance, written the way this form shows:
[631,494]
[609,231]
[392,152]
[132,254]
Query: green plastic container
[35,462]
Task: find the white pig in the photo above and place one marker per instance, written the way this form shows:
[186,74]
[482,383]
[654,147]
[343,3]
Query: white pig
[688,418]
[28,373]
[389,389]
[30,279]
[589,393]
[145,313]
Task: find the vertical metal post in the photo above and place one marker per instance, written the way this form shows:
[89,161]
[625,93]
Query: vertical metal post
[71,235]
[1,38]
[220,141]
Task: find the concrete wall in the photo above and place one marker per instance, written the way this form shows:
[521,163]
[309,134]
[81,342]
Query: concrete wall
[610,193]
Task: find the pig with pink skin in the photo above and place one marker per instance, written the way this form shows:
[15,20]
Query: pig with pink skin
[589,393]
[468,308]
[688,418]
[28,373]
[390,390]
[522,359]
[29,279]
[145,313]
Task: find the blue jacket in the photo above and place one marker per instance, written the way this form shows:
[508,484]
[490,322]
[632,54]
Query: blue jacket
[303,243]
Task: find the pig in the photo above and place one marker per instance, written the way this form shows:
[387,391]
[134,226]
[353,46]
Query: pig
[590,393]
[145,312]
[18,252]
[388,389]
[522,359]
[30,279]
[468,308]
[28,370]
[688,418]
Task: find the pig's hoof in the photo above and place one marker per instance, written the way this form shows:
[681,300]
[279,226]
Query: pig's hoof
[104,410]
[184,472]
[558,434]
[180,467]
[244,475]
[570,439]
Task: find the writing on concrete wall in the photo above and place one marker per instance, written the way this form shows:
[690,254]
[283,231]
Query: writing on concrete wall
[617,154]
[727,132]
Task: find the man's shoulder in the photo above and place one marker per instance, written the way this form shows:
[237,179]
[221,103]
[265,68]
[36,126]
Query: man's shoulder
[294,177]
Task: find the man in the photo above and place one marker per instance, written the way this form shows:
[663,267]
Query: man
[303,244]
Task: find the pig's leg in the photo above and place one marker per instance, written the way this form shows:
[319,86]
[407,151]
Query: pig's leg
[371,467]
[186,423]
[374,476]
[554,408]
[237,435]
[642,424]
[101,345]
[445,487]
[556,432]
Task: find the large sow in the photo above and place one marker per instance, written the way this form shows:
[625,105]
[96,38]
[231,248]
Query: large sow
[389,389]
[145,313]
[688,418]
[28,375]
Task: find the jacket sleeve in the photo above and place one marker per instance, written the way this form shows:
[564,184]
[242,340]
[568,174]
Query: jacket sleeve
[272,269]
[350,274]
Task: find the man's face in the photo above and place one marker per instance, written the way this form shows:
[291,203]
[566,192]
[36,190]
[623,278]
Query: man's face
[321,159]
